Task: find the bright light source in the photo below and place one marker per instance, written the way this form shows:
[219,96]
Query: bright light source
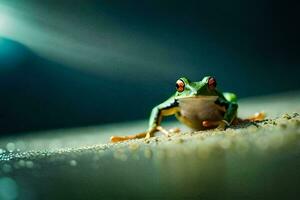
[3,22]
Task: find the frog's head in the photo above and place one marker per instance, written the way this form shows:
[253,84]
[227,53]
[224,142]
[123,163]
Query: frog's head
[205,87]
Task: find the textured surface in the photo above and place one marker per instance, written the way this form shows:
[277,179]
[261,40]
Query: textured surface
[249,161]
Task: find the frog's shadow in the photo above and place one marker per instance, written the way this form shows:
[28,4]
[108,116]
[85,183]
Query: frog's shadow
[243,125]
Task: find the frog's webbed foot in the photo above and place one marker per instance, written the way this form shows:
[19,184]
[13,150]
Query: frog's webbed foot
[222,125]
[145,135]
[257,117]
[150,133]
[174,130]
[163,130]
[168,132]
[129,137]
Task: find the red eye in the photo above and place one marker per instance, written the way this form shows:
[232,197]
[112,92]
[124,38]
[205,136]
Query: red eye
[212,83]
[180,85]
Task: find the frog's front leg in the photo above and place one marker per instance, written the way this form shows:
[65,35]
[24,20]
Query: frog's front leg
[229,116]
[169,107]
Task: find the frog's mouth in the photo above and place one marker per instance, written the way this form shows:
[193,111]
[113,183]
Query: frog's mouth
[198,98]
[198,103]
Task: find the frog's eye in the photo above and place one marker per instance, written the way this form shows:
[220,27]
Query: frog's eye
[212,83]
[180,85]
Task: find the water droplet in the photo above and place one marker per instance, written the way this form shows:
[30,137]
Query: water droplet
[8,188]
[148,153]
[2,151]
[21,163]
[133,146]
[95,157]
[21,145]
[10,147]
[73,163]
[6,168]
[120,154]
[29,164]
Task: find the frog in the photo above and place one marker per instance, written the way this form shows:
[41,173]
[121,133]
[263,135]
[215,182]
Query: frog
[199,105]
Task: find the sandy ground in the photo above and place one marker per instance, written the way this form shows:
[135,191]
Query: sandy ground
[249,161]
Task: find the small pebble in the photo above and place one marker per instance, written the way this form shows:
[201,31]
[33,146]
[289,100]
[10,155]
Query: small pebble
[283,126]
[180,141]
[286,116]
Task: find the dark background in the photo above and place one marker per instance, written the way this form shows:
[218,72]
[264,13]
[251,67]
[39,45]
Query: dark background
[80,63]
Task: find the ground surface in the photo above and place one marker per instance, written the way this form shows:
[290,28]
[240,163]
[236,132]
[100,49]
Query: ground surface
[253,160]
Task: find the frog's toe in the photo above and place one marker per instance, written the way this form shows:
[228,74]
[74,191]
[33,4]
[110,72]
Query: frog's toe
[164,131]
[150,132]
[210,124]
[148,135]
[115,139]
[222,126]
[257,117]
[174,130]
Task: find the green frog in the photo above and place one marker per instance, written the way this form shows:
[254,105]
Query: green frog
[199,105]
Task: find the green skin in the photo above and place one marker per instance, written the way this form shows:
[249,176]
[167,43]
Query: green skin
[193,90]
